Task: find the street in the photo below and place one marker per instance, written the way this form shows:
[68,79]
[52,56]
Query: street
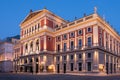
[13,76]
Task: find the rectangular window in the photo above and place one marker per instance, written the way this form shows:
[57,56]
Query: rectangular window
[80,32]
[72,66]
[89,29]
[72,45]
[80,56]
[64,58]
[89,55]
[72,57]
[89,66]
[58,38]
[89,41]
[80,43]
[58,47]
[72,34]
[80,66]
[65,47]
[38,25]
[65,36]
[58,58]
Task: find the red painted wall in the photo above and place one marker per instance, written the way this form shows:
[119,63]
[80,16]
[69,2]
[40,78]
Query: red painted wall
[50,43]
[42,23]
[49,23]
[42,43]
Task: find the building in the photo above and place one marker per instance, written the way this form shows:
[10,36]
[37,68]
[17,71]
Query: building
[49,43]
[6,54]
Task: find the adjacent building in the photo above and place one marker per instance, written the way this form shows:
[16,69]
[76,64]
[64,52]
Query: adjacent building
[49,43]
[6,54]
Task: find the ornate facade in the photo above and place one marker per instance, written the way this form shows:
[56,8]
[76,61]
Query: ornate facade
[50,44]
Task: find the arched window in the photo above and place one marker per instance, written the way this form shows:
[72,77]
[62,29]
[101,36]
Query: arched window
[37,45]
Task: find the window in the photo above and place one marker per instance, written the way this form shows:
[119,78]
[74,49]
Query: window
[72,34]
[80,66]
[65,46]
[58,38]
[32,28]
[80,43]
[80,56]
[89,55]
[38,25]
[65,36]
[29,29]
[89,41]
[79,32]
[89,66]
[35,27]
[89,29]
[58,58]
[72,45]
[58,47]
[37,45]
[72,57]
[64,58]
[31,46]
[72,66]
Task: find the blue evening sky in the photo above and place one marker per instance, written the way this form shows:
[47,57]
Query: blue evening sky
[12,12]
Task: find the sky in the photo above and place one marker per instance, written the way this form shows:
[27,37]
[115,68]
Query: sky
[12,12]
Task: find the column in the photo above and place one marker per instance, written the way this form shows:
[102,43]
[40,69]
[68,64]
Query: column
[105,63]
[45,44]
[61,44]
[34,46]
[28,48]
[95,61]
[76,40]
[45,60]
[95,35]
[39,64]
[68,68]
[68,42]
[84,63]
[75,61]
[34,65]
[84,41]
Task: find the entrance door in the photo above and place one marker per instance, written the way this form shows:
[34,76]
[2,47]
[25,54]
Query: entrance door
[36,68]
[64,68]
[31,69]
[58,68]
[107,68]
